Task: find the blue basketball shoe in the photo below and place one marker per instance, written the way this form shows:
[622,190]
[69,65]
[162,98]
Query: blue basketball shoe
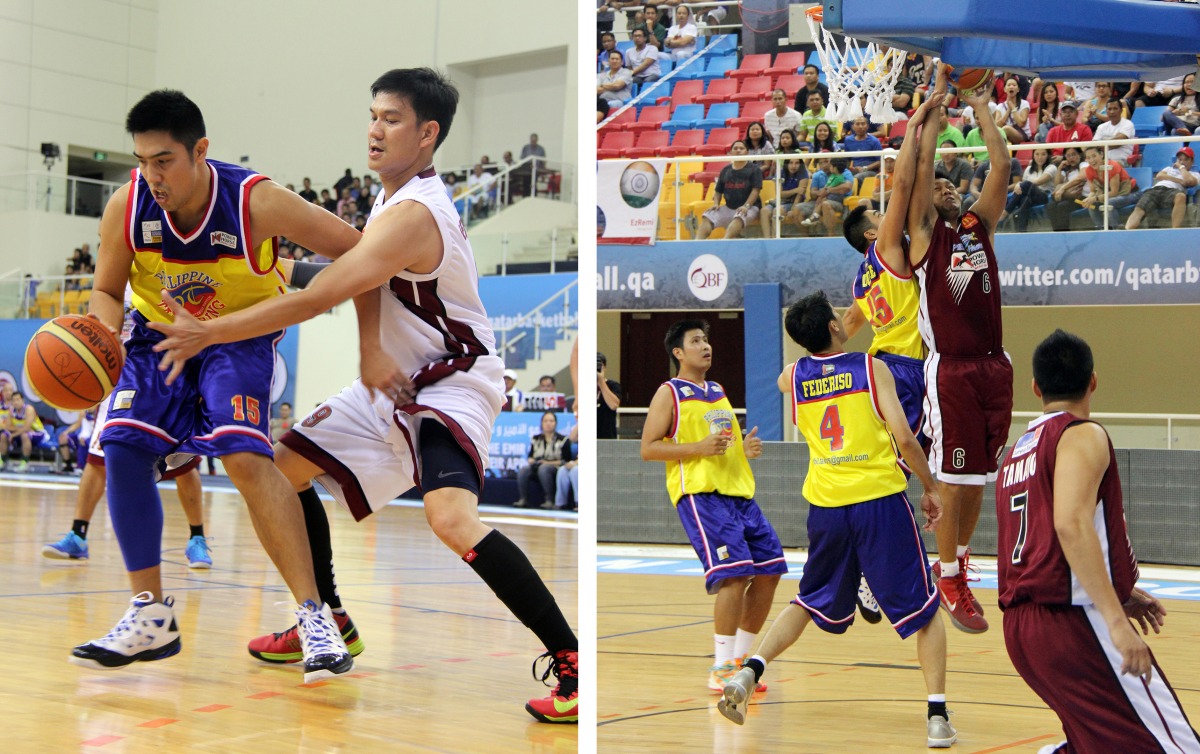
[70,547]
[198,554]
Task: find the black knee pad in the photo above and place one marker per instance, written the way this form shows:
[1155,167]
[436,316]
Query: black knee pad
[444,461]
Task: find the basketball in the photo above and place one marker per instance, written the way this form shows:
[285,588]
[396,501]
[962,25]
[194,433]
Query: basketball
[73,362]
[971,82]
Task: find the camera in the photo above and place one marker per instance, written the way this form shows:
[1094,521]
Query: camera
[601,362]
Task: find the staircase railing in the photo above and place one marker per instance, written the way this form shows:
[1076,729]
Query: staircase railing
[510,336]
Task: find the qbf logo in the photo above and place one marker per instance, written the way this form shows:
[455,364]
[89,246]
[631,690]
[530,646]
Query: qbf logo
[707,277]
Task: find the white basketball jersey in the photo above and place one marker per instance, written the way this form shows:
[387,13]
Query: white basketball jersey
[436,317]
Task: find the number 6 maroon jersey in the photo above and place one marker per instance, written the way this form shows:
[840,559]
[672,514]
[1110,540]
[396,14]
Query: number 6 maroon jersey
[1032,565]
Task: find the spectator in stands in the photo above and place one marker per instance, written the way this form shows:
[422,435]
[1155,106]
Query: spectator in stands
[1122,189]
[815,114]
[1047,111]
[85,258]
[328,202]
[1033,189]
[739,184]
[1159,92]
[642,59]
[283,422]
[604,20]
[343,183]
[918,68]
[347,205]
[533,148]
[450,181]
[1013,114]
[514,398]
[608,400]
[568,475]
[614,83]
[608,43]
[858,140]
[1068,188]
[25,430]
[812,84]
[788,143]
[681,37]
[757,142]
[307,193]
[1169,190]
[970,118]
[837,184]
[546,384]
[371,186]
[902,96]
[780,116]
[481,203]
[793,185]
[365,201]
[547,451]
[1069,130]
[1116,128]
[947,131]
[822,139]
[954,168]
[1094,111]
[981,174]
[355,188]
[1182,117]
[657,33]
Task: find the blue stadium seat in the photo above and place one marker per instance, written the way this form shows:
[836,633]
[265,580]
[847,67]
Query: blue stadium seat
[726,44]
[1158,156]
[684,118]
[625,46]
[717,115]
[814,59]
[1143,175]
[1147,121]
[718,66]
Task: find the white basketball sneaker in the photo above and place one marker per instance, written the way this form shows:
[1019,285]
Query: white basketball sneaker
[939,733]
[325,652]
[147,632]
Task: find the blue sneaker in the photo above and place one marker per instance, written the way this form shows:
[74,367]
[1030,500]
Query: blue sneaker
[198,554]
[70,547]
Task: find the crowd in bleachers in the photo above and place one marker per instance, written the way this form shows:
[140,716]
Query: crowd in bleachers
[711,103]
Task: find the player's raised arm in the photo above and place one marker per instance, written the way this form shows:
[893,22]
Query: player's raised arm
[990,204]
[1080,463]
[889,243]
[853,319]
[921,211]
[910,449]
[113,260]
[659,419]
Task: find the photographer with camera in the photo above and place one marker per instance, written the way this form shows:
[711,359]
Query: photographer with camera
[608,399]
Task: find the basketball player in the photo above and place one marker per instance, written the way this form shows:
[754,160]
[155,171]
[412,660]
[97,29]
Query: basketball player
[434,362]
[886,295]
[193,231]
[6,394]
[1067,574]
[968,376]
[25,430]
[691,426]
[860,520]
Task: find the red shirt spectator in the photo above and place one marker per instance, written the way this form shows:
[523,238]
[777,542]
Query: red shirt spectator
[1071,128]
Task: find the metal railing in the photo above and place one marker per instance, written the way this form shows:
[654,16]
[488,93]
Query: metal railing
[21,297]
[509,337]
[532,176]
[46,192]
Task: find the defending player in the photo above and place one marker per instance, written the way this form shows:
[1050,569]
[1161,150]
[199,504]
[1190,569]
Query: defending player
[189,230]
[1067,574]
[692,427]
[860,520]
[428,347]
[968,376]
[886,294]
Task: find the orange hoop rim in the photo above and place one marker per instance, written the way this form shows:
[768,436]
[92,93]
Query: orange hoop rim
[817,12]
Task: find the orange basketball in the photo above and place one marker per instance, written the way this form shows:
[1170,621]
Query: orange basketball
[73,362]
[971,82]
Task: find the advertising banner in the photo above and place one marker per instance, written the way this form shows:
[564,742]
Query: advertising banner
[627,201]
[511,437]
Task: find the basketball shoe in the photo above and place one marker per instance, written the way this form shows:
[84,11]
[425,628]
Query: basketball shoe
[737,695]
[741,663]
[70,547]
[147,632]
[198,554]
[719,675]
[868,607]
[284,647]
[1052,748]
[325,652]
[958,602]
[939,733]
[562,706]
[965,567]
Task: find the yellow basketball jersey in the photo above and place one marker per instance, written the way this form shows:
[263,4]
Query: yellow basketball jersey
[211,269]
[702,410]
[890,302]
[20,422]
[851,455]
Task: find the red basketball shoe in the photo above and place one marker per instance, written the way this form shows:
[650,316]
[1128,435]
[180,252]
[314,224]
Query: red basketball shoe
[562,706]
[284,647]
[957,600]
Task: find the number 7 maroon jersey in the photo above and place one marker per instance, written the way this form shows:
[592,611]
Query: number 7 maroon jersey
[1032,565]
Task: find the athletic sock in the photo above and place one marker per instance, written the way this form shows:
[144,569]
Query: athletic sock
[758,665]
[80,528]
[317,524]
[506,570]
[134,506]
[949,570]
[723,647]
[743,643]
[937,707]
[961,550]
[197,530]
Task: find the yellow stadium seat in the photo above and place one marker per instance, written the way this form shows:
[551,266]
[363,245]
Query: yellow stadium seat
[767,192]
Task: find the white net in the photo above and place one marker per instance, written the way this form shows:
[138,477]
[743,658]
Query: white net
[853,69]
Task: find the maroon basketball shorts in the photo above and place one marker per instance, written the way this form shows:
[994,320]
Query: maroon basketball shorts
[968,407]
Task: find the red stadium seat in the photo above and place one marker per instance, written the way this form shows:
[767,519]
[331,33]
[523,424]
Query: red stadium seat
[899,128]
[753,89]
[752,66]
[718,142]
[614,145]
[790,84]
[708,175]
[786,63]
[650,119]
[622,121]
[751,112]
[685,143]
[649,144]
[684,93]
[719,90]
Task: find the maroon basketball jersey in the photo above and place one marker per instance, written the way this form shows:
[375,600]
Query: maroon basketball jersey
[960,291]
[1031,562]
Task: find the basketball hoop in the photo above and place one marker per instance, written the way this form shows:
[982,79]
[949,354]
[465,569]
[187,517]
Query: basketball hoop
[853,69]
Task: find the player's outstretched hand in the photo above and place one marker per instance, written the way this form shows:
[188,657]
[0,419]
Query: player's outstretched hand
[752,444]
[1146,610]
[124,352]
[186,337]
[381,372]
[1135,655]
[930,105]
[931,506]
[714,445]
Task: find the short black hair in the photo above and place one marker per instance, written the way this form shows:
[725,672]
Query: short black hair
[601,358]
[807,322]
[839,163]
[431,95]
[810,65]
[675,335]
[547,377]
[855,226]
[1062,367]
[170,111]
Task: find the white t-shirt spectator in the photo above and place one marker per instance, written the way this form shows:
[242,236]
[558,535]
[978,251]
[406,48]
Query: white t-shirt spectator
[968,113]
[1174,171]
[633,59]
[1040,179]
[1084,90]
[687,30]
[1021,105]
[1107,130]
[775,123]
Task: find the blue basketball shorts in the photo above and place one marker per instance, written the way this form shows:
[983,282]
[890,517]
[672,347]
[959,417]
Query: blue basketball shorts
[219,404]
[909,374]
[879,539]
[731,536]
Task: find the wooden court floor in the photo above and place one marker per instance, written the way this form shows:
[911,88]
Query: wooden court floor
[855,693]
[446,667]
